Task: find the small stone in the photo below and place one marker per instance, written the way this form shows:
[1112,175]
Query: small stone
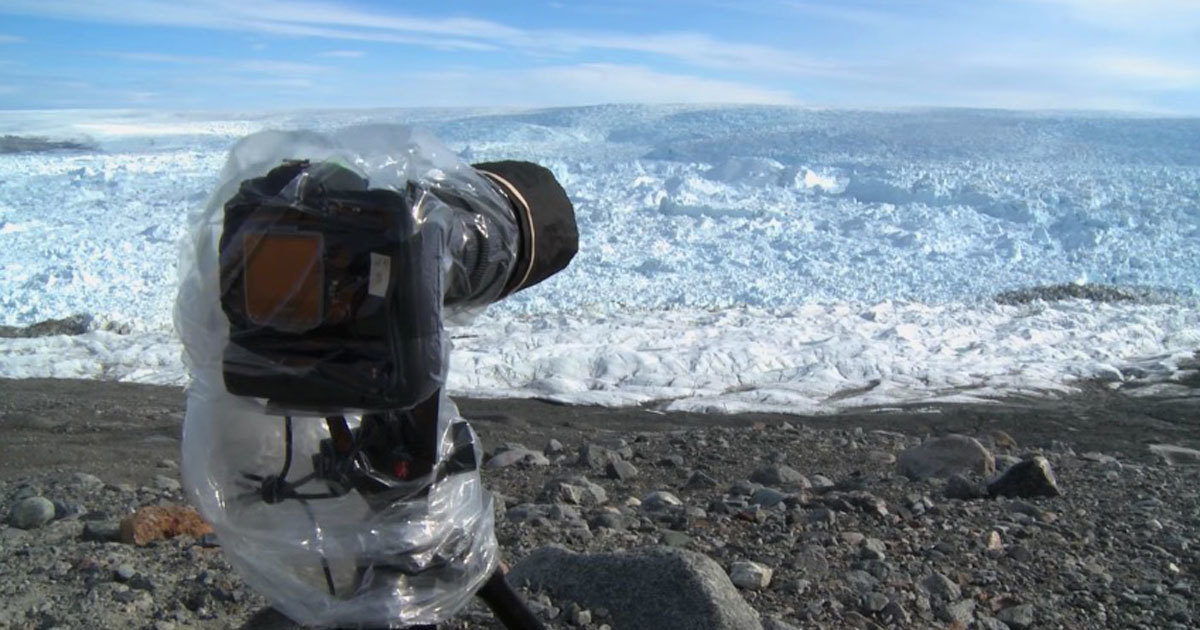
[1029,478]
[820,482]
[822,516]
[1176,455]
[1017,617]
[945,456]
[102,531]
[163,482]
[517,457]
[984,622]
[960,613]
[767,497]
[874,602]
[124,573]
[660,499]
[595,456]
[169,464]
[750,575]
[962,488]
[671,461]
[873,549]
[32,513]
[1000,439]
[621,469]
[779,475]
[68,510]
[993,541]
[157,522]
[699,480]
[881,457]
[86,480]
[896,613]
[553,447]
[574,490]
[672,538]
[941,587]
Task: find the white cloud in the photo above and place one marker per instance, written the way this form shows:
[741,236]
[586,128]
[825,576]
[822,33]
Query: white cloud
[11,39]
[1133,15]
[1147,71]
[587,84]
[343,54]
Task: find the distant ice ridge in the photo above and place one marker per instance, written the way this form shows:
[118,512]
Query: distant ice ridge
[812,359]
[713,226]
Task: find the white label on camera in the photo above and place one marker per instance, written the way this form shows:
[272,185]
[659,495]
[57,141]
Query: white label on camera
[381,272]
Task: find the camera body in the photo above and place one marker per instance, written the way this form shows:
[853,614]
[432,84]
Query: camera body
[332,291]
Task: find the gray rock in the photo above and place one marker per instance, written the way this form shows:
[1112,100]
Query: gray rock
[575,490]
[595,456]
[984,622]
[617,445]
[874,602]
[941,587]
[163,482]
[1176,455]
[660,499]
[672,538]
[820,482]
[698,481]
[85,480]
[771,623]
[645,589]
[750,575]
[1030,478]
[960,487]
[945,456]
[779,475]
[960,613]
[767,497]
[124,573]
[516,456]
[553,447]
[101,531]
[1017,617]
[620,469]
[32,513]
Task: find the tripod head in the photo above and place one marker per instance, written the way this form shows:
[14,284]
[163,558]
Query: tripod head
[319,440]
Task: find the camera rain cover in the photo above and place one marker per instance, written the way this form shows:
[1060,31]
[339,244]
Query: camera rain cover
[312,287]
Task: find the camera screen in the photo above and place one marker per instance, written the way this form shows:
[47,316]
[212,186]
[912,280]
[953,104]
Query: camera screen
[284,279]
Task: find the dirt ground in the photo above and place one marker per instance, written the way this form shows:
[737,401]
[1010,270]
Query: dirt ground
[120,431]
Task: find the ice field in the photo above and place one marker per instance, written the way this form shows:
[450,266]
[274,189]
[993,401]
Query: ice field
[731,258]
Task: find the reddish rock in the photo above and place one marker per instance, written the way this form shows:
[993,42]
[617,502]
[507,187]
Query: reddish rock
[157,523]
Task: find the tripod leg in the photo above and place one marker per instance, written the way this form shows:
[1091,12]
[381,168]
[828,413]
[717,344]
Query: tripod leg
[508,607]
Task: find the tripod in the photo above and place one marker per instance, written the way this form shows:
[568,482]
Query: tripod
[388,450]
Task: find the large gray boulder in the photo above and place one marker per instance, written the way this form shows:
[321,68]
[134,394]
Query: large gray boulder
[944,456]
[659,587]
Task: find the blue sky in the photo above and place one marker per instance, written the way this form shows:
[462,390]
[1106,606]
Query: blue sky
[1130,55]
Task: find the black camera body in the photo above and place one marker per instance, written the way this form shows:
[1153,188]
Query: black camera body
[333,295]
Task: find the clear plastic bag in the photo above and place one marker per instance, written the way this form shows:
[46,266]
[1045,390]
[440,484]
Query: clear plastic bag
[295,473]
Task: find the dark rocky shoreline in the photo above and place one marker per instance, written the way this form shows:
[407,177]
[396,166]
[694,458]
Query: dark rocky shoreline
[818,503]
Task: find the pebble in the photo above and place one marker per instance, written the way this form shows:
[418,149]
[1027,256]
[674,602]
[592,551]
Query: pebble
[750,575]
[779,475]
[1017,617]
[32,513]
[1030,478]
[621,469]
[660,499]
[163,482]
[945,456]
[941,587]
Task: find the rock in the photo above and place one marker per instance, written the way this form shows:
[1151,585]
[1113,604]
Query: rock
[615,444]
[779,475]
[1000,439]
[124,573]
[698,480]
[651,588]
[945,456]
[874,602]
[672,538]
[767,497]
[575,490]
[517,456]
[770,623]
[157,523]
[85,480]
[941,587]
[620,469]
[984,622]
[750,575]
[595,456]
[163,482]
[553,447]
[102,531]
[660,499]
[1030,478]
[1017,617]
[32,513]
[960,614]
[1176,455]
[820,482]
[962,488]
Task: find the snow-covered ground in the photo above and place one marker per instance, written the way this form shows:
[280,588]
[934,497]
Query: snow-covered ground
[731,258]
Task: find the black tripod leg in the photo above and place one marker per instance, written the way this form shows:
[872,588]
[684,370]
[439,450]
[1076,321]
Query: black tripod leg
[508,607]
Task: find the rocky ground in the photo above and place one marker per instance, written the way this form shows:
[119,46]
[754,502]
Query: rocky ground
[638,519]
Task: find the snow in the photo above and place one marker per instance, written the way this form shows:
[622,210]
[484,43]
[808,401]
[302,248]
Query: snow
[731,258]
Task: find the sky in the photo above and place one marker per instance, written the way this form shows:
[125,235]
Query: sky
[258,55]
